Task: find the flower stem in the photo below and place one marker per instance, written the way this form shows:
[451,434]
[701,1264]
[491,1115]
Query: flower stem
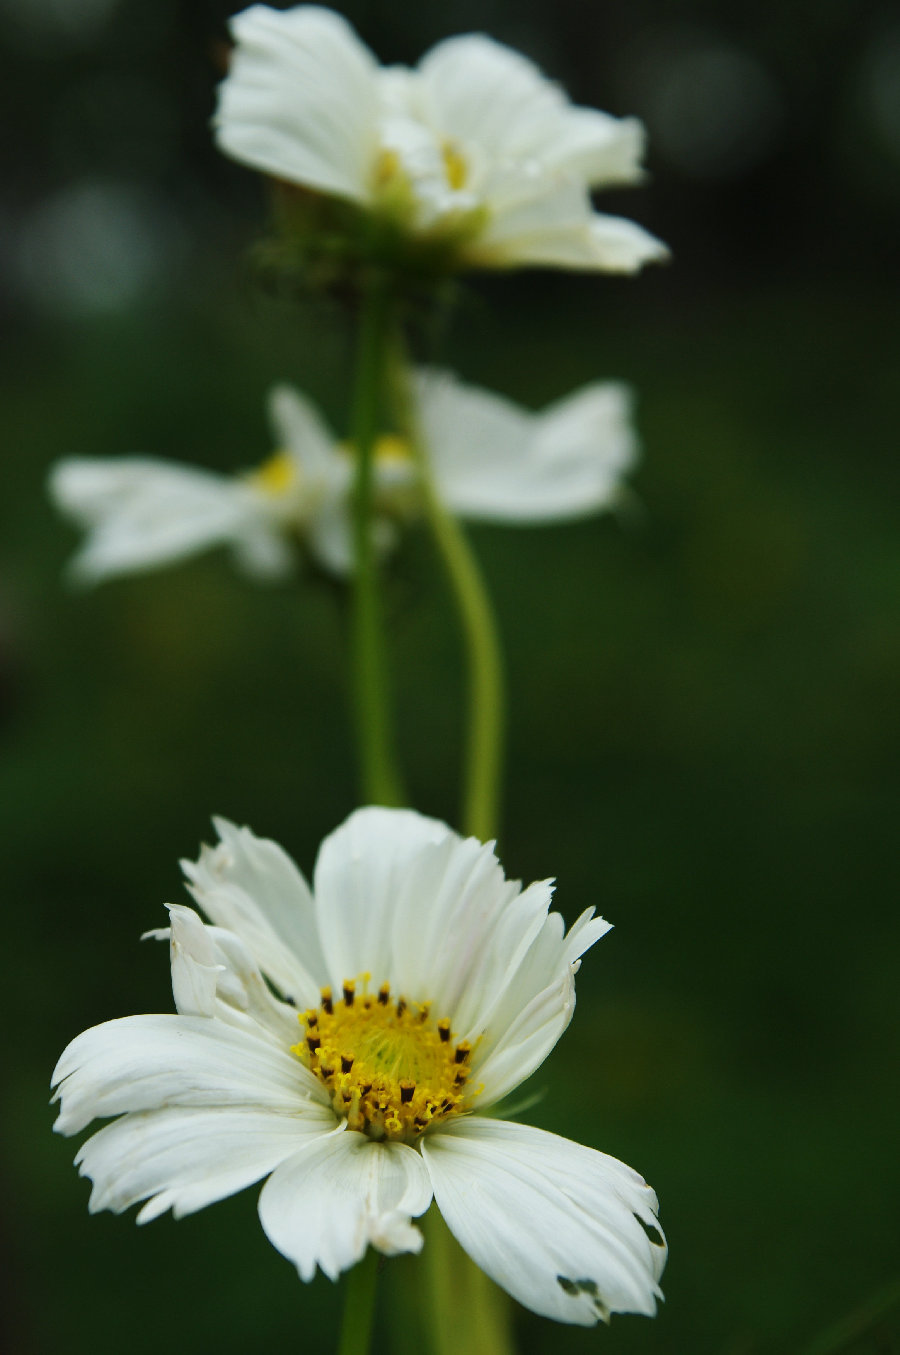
[359,1306]
[378,775]
[467,1312]
[486,716]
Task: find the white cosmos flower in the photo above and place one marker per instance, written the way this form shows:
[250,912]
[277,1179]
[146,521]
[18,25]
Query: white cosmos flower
[491,459]
[346,1042]
[474,147]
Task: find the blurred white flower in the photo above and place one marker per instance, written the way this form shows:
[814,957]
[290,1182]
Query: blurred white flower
[491,460]
[427,986]
[474,149]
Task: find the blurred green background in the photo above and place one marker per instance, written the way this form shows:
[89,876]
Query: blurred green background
[704,728]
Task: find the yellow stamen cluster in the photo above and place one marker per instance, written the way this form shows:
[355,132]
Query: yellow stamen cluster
[455,166]
[276,475]
[390,1070]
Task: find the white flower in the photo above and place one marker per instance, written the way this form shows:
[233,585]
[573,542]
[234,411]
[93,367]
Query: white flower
[491,459]
[474,147]
[416,987]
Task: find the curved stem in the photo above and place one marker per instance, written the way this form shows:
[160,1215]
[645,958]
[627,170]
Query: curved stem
[379,778]
[359,1306]
[484,662]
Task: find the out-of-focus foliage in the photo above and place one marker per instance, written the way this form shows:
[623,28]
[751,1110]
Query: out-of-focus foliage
[704,726]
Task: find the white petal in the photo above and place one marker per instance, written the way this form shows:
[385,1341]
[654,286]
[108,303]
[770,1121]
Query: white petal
[359,870]
[403,898]
[264,555]
[142,513]
[299,429]
[569,1232]
[598,148]
[300,99]
[213,974]
[250,886]
[496,461]
[622,246]
[483,94]
[148,1062]
[195,965]
[330,536]
[327,1204]
[532,1010]
[183,1158]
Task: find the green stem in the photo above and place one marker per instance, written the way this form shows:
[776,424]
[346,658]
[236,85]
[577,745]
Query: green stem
[466,1311]
[486,717]
[359,1306]
[379,778]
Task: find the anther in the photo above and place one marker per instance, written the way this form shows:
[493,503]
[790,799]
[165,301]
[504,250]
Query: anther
[311,1018]
[384,993]
[346,1062]
[349,992]
[312,1043]
[327,1002]
[444,1030]
[401,1006]
[463,1051]
[406,1092]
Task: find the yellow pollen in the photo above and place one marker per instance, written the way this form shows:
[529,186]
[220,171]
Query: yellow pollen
[390,1070]
[276,475]
[387,168]
[455,167]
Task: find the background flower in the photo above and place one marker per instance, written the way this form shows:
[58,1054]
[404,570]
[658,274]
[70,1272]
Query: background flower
[474,147]
[491,458]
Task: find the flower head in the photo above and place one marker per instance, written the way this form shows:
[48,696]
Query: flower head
[346,1042]
[474,153]
[491,460]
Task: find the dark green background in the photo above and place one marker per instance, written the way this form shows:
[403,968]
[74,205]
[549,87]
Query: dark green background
[703,730]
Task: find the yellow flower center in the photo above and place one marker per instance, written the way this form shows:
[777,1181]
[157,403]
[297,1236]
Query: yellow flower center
[275,476]
[389,1069]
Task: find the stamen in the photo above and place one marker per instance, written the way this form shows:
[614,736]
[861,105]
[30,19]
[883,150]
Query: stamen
[389,1069]
[455,167]
[275,476]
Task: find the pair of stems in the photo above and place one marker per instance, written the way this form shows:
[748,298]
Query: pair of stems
[382,366]
[454,1284]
